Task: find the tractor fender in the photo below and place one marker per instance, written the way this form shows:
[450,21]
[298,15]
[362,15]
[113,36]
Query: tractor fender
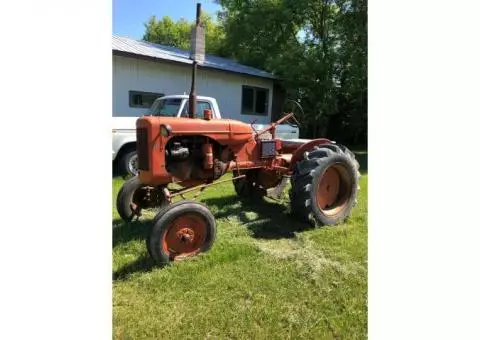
[308,146]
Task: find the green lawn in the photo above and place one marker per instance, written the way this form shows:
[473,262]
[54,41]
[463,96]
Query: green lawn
[266,277]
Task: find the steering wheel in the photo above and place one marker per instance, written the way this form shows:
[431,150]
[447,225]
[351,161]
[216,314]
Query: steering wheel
[292,106]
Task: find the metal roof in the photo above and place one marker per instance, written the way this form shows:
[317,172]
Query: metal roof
[143,48]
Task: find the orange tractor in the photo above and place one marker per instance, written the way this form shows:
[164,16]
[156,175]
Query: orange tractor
[194,153]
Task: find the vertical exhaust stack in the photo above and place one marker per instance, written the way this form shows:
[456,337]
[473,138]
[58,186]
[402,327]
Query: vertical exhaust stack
[197,54]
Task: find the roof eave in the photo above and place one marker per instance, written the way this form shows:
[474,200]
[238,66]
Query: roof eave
[169,61]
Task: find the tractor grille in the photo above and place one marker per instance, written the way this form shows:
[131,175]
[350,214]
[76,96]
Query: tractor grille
[268,148]
[142,149]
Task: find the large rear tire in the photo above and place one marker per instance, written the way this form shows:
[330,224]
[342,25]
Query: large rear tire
[135,196]
[181,230]
[325,185]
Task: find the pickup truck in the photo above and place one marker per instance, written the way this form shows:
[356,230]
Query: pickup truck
[124,133]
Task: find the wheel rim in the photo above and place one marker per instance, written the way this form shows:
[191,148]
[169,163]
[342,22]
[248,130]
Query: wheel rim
[133,165]
[334,189]
[185,236]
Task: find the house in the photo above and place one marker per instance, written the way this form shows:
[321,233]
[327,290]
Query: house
[143,71]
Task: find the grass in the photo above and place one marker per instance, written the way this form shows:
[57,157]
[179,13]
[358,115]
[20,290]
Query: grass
[266,277]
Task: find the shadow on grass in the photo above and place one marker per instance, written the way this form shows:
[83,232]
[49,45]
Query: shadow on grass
[272,221]
[125,232]
[143,264]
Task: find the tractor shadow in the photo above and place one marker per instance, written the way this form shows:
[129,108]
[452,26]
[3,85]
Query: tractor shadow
[272,221]
[264,218]
[125,232]
[143,264]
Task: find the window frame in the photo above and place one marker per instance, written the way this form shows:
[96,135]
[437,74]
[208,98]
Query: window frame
[180,107]
[255,89]
[133,93]
[184,111]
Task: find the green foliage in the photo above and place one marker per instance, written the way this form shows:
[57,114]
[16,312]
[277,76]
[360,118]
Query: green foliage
[177,34]
[318,48]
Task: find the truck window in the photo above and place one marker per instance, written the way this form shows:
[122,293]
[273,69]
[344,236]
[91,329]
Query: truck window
[166,107]
[201,105]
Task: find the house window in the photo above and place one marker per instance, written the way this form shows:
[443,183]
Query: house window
[201,105]
[143,99]
[254,101]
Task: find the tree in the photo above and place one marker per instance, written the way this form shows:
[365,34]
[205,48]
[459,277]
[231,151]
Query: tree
[319,50]
[177,34]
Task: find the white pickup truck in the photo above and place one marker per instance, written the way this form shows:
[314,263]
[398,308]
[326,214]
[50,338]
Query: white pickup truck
[124,133]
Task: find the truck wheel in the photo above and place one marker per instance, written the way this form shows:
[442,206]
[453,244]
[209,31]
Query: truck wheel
[134,196]
[247,186]
[180,230]
[325,184]
[128,163]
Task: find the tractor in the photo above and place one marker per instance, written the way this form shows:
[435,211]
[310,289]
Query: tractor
[193,153]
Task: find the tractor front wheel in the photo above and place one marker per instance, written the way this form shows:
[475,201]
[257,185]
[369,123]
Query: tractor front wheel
[134,196]
[183,229]
[325,184]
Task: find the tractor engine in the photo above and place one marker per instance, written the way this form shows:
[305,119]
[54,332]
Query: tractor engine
[172,149]
[196,158]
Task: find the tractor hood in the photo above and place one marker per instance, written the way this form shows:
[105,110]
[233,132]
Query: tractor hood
[224,131]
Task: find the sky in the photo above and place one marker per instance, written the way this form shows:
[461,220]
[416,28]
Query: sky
[129,16]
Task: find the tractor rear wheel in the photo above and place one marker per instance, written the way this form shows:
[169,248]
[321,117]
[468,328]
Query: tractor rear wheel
[133,197]
[325,184]
[181,230]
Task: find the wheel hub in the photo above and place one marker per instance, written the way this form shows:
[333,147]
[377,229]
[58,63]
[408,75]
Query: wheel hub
[333,190]
[133,165]
[185,236]
[329,188]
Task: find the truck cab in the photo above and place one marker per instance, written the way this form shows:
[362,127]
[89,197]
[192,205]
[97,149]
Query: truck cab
[177,106]
[124,128]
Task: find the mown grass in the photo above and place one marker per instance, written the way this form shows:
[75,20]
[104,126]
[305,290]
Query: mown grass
[266,277]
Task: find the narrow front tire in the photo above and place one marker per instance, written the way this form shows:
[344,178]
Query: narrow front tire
[181,230]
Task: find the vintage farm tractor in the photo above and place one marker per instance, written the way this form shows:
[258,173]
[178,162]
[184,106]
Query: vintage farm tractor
[194,153]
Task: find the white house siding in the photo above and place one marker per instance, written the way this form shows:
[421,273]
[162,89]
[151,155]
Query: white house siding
[131,74]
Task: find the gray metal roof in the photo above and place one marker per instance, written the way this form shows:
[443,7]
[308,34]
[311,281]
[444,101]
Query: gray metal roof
[143,48]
